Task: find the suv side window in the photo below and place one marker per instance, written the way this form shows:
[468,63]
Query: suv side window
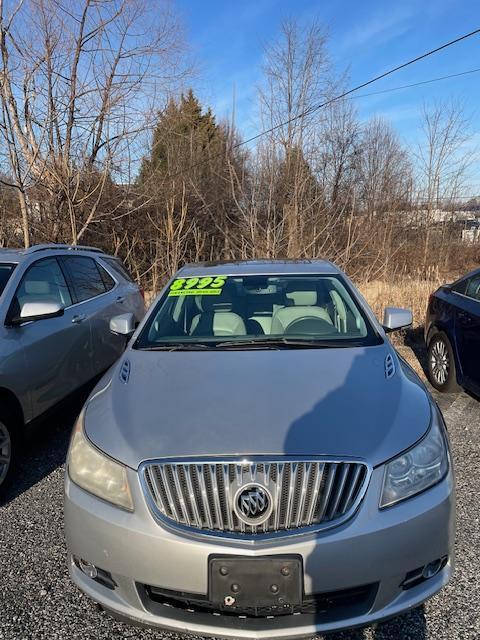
[6,271]
[117,265]
[43,282]
[84,277]
[107,279]
[472,289]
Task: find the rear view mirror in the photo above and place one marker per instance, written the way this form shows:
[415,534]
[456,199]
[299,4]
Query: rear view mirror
[395,318]
[37,310]
[123,325]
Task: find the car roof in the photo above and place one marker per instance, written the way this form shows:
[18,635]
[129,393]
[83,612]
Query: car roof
[20,254]
[10,255]
[259,267]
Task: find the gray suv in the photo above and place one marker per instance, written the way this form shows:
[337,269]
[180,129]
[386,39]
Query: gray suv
[56,302]
[261,463]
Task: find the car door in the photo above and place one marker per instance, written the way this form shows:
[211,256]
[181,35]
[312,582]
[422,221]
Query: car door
[467,328]
[99,299]
[57,350]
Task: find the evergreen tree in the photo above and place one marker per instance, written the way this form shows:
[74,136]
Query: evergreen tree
[190,162]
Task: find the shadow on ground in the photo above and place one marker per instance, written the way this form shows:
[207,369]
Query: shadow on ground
[415,341]
[43,450]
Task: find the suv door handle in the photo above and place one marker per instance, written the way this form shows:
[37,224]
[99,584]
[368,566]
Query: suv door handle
[120,299]
[79,318]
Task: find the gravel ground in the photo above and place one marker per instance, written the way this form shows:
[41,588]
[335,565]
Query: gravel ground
[37,599]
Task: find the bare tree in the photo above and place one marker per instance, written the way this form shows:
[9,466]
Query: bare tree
[77,78]
[297,78]
[337,145]
[443,160]
[100,144]
[382,169]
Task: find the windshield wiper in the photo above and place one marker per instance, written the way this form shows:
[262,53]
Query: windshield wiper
[260,344]
[178,346]
[272,343]
[283,343]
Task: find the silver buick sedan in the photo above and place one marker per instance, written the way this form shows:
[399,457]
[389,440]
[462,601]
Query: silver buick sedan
[260,463]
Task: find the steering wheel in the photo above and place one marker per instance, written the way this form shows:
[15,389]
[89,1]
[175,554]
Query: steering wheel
[310,325]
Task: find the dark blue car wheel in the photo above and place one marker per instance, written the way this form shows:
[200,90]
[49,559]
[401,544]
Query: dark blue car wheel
[441,364]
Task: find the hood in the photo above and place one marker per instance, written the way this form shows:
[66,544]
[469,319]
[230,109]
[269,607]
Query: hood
[333,402]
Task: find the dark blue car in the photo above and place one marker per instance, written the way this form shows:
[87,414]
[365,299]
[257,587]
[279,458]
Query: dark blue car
[452,335]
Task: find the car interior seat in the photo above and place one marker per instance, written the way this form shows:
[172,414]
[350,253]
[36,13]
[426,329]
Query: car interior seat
[301,304]
[340,311]
[216,318]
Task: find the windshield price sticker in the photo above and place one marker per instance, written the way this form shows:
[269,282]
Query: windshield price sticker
[207,286]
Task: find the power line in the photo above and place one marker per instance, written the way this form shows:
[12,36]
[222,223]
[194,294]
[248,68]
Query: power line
[340,97]
[418,84]
[383,91]
[360,86]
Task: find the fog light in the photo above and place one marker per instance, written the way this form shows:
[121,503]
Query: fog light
[432,568]
[88,569]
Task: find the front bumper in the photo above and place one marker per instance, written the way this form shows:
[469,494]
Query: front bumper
[377,548]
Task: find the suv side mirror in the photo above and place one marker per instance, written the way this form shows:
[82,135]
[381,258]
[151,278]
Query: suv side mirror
[123,325]
[395,318]
[37,310]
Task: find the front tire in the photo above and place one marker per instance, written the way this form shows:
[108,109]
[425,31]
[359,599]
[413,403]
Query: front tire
[441,364]
[6,452]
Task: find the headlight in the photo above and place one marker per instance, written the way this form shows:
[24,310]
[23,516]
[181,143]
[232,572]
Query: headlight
[95,472]
[417,469]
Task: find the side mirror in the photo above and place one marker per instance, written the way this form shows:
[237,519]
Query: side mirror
[123,325]
[37,310]
[395,318]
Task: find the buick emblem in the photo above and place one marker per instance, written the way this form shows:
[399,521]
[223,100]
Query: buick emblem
[253,504]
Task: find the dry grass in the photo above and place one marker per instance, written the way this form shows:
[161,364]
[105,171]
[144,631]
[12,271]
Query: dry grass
[411,293]
[149,296]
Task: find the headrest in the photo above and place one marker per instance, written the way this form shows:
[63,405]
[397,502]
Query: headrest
[37,287]
[223,302]
[212,303]
[302,298]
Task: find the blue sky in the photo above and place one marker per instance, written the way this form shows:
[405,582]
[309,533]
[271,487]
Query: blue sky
[365,37]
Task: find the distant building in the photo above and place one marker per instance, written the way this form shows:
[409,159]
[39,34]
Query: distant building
[471,231]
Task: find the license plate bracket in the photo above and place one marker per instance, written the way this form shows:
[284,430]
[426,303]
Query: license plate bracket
[262,585]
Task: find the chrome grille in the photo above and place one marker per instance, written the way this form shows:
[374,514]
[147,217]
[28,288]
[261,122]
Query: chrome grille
[305,493]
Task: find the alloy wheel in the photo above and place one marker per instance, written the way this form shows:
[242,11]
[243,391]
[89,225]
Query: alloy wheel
[439,362]
[5,452]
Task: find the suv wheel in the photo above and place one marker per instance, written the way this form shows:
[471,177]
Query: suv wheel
[441,364]
[6,452]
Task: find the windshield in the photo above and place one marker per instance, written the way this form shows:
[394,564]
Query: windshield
[231,310]
[5,273]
